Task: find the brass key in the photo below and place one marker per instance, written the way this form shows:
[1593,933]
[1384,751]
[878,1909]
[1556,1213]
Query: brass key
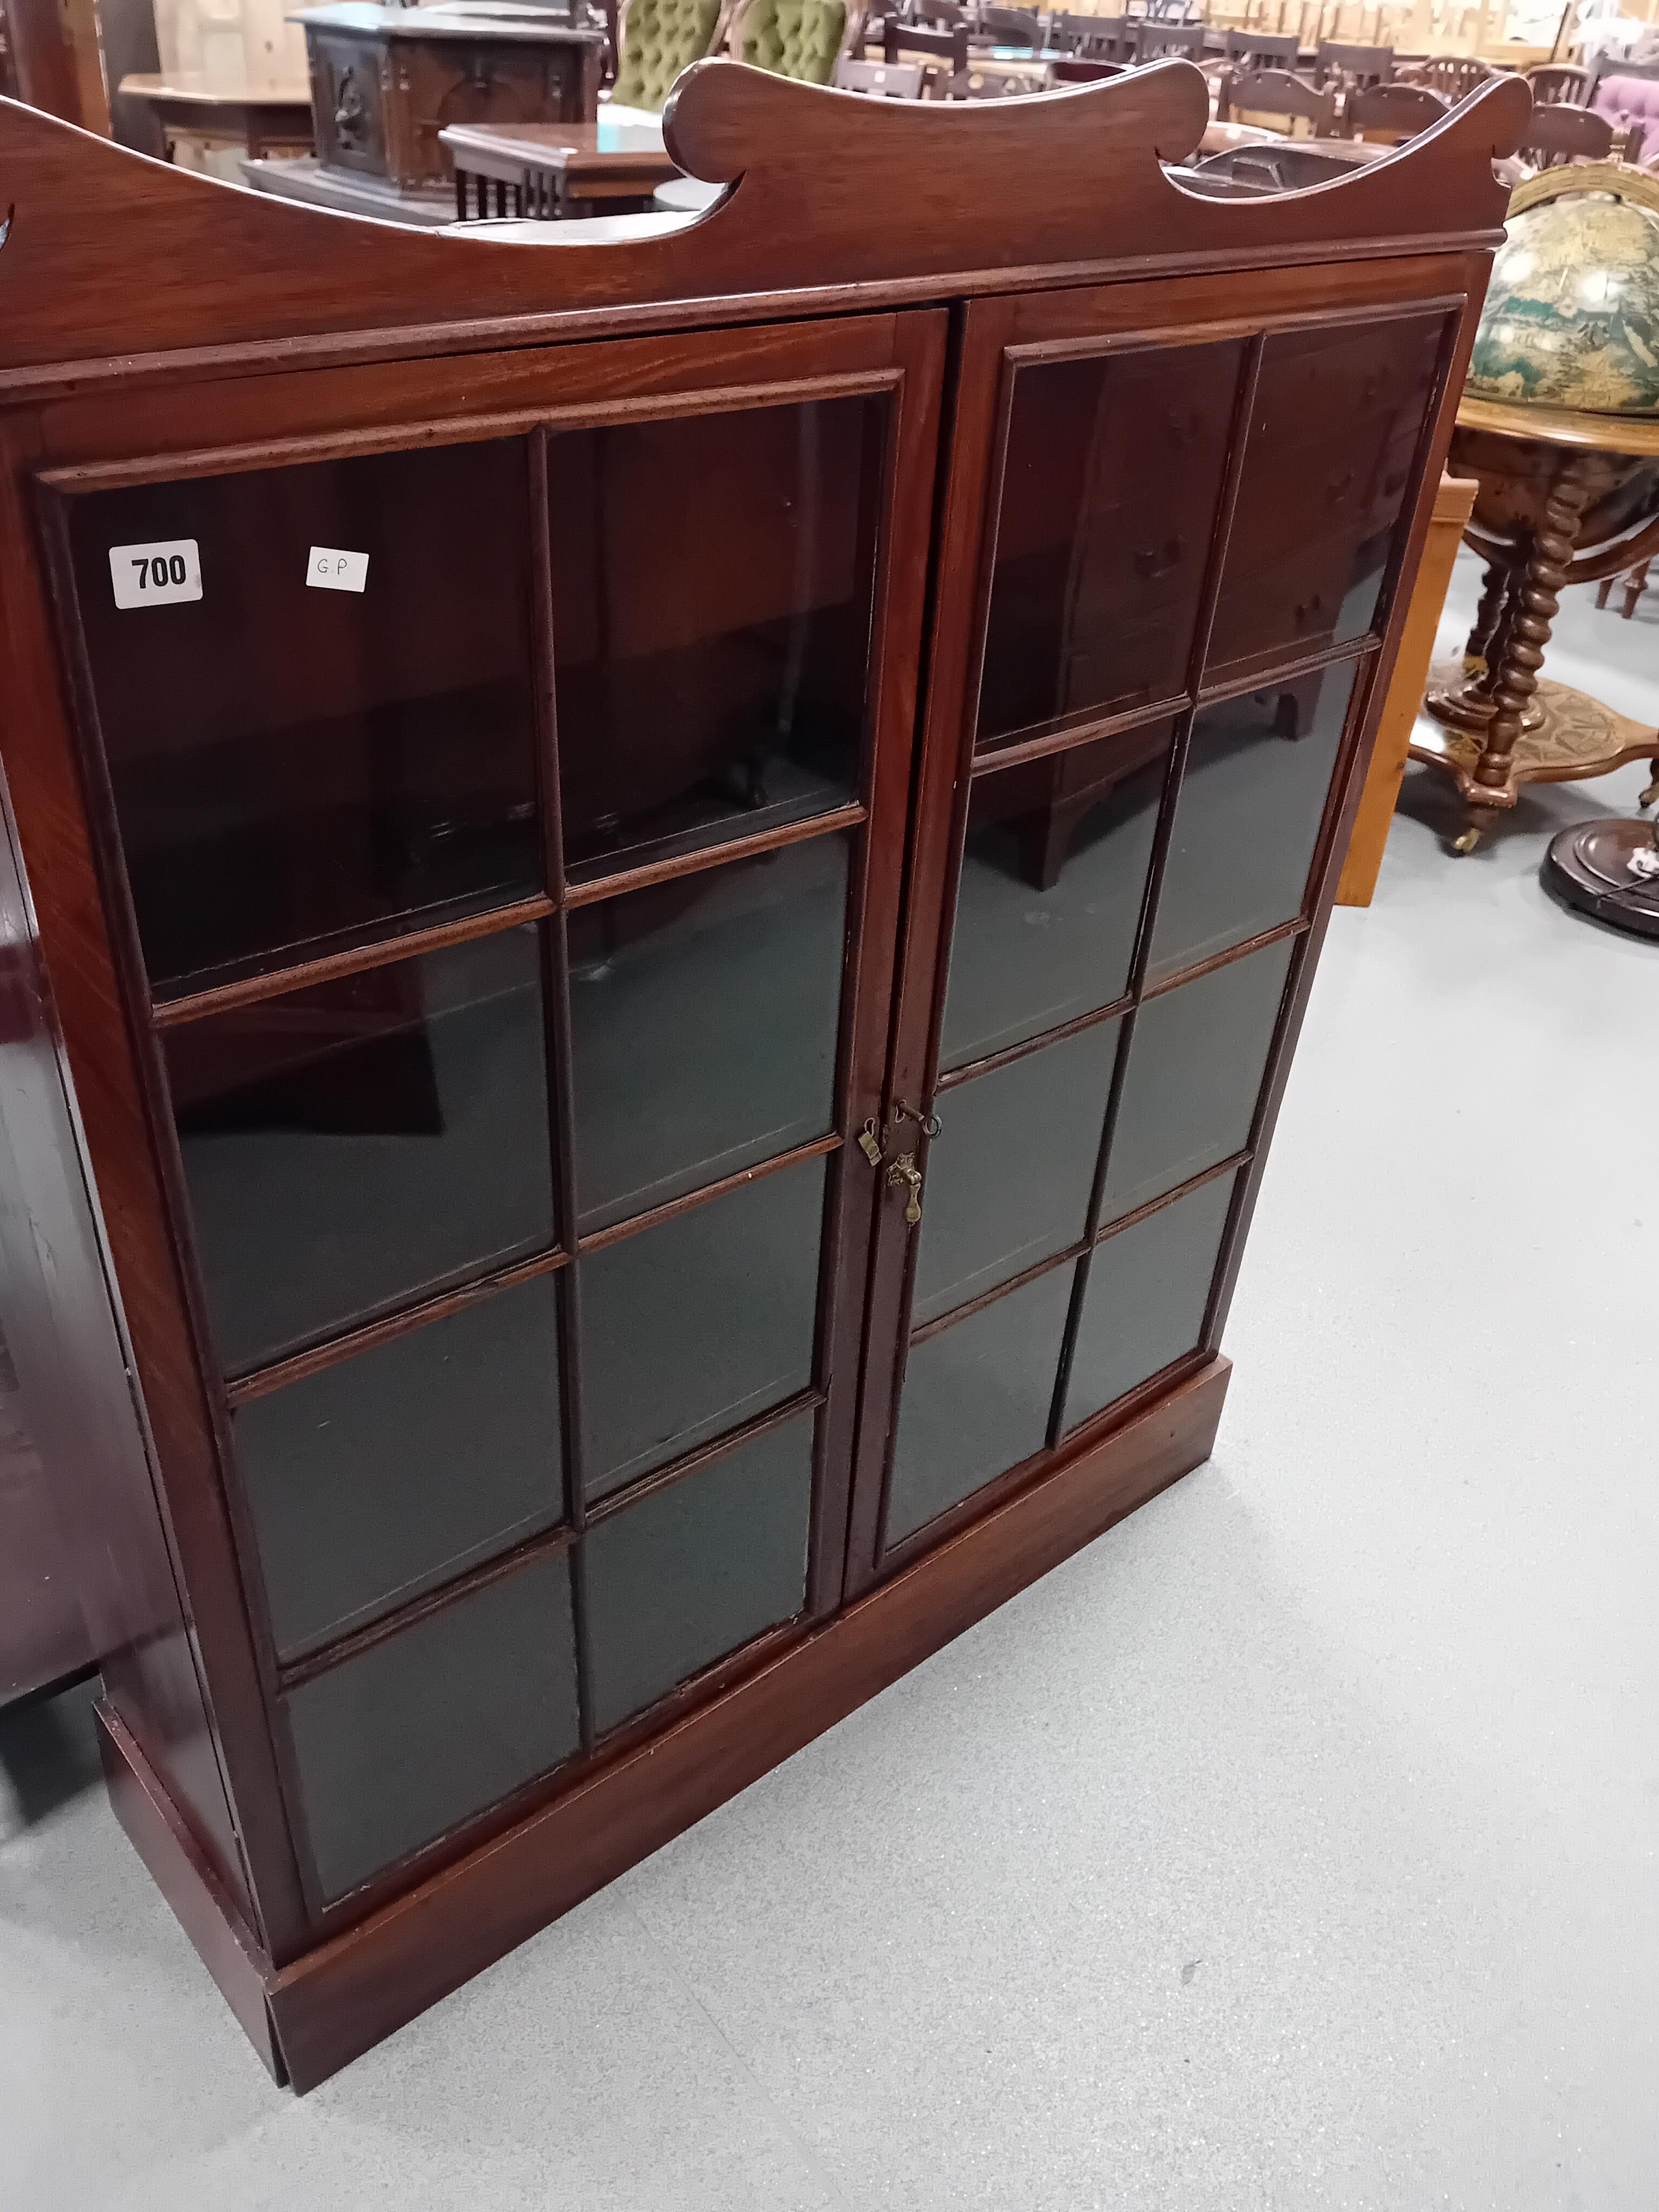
[904,1174]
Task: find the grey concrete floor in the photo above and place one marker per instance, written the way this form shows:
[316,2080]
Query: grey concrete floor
[1291,1847]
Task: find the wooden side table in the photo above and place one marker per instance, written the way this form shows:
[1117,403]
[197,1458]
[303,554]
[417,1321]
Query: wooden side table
[187,107]
[1453,499]
[553,170]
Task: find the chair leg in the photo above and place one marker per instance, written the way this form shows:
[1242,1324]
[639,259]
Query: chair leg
[1635,584]
[1603,590]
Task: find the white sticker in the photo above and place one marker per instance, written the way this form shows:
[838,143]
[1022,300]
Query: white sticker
[328,569]
[158,575]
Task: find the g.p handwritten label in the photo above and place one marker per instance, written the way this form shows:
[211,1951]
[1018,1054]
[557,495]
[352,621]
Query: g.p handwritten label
[329,569]
[158,575]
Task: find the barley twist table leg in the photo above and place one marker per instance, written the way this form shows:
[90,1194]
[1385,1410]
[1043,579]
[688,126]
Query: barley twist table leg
[1494,586]
[1525,633]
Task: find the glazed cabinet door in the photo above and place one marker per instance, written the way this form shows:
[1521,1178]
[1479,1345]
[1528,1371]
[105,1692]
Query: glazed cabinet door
[1168,569]
[505,811]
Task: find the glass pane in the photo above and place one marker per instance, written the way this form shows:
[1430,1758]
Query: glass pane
[1332,438]
[1196,1061]
[976,1401]
[691,1329]
[1009,1174]
[1108,499]
[351,1145]
[694,1571]
[1051,881]
[438,1722]
[403,1466]
[289,763]
[705,1013]
[1247,816]
[712,580]
[1148,1289]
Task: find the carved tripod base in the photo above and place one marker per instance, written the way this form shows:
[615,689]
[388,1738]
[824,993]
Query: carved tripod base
[1505,723]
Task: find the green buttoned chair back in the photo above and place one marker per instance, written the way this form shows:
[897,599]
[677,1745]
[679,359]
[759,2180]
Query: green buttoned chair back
[660,37]
[794,38]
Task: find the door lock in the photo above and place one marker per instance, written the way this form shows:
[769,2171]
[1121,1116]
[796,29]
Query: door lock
[904,1174]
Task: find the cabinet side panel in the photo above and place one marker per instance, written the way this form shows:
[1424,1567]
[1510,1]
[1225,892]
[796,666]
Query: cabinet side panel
[43,1639]
[66,1342]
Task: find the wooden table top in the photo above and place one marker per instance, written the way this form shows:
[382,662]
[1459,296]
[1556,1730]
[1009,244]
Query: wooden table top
[586,149]
[191,88]
[1635,435]
[503,23]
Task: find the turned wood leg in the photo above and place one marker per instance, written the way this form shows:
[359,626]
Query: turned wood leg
[1482,686]
[1526,632]
[1468,705]
[1635,584]
[1603,589]
[1494,588]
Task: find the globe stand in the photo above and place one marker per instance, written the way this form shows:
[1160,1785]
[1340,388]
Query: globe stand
[1588,867]
[1548,478]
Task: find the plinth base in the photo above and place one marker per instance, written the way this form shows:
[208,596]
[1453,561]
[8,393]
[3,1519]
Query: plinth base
[1587,868]
[313,2014]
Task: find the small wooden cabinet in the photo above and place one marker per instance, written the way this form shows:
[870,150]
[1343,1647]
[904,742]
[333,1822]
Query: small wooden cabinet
[386,81]
[679,878]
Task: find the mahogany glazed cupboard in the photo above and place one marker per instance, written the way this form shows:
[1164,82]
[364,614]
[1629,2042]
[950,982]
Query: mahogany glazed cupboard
[677,877]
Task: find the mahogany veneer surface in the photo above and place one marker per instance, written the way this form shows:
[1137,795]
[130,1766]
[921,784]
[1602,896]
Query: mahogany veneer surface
[673,883]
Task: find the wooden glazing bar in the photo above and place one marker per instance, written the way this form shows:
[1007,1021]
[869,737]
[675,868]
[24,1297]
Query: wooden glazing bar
[359,960]
[591,891]
[547,1543]
[993,1060]
[1364,704]
[1220,538]
[561,1076]
[987,759]
[693,1462]
[1229,1166]
[1263,679]
[673,1208]
[1224,958]
[940,1322]
[241,1389]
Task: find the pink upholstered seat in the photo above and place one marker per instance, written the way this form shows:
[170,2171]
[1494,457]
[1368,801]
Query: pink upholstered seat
[1632,100]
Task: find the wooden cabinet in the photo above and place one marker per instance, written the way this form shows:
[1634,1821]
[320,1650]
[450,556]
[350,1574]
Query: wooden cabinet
[679,879]
[385,81]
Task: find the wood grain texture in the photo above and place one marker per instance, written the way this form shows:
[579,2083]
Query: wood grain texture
[155,326]
[111,253]
[1454,498]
